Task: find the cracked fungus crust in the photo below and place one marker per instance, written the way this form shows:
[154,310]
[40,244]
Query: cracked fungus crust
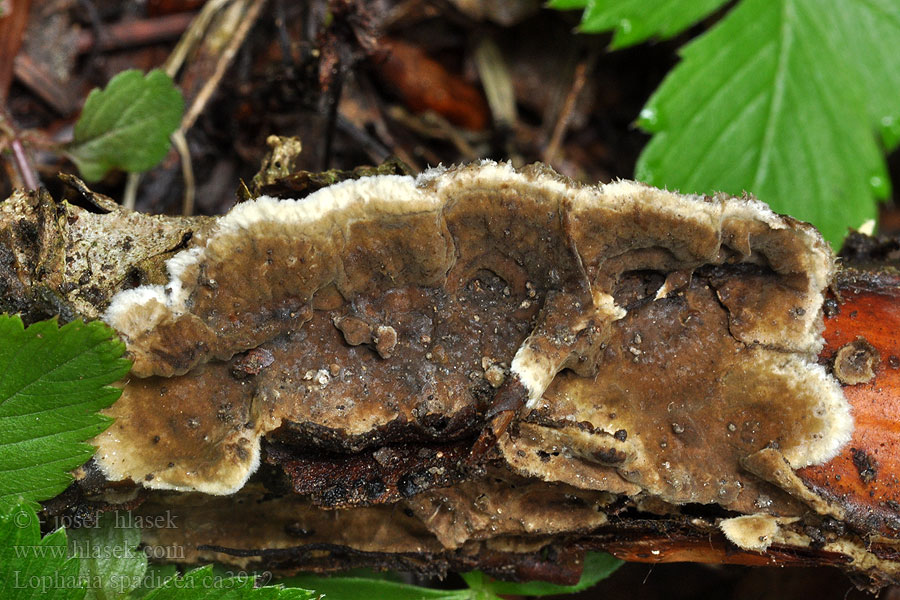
[656,340]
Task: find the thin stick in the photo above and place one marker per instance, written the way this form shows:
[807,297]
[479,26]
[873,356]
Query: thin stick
[20,154]
[579,78]
[29,176]
[186,44]
[187,171]
[136,33]
[497,83]
[222,65]
[332,100]
[192,36]
[129,197]
[377,151]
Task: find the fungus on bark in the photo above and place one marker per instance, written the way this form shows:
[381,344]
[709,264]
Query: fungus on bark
[645,341]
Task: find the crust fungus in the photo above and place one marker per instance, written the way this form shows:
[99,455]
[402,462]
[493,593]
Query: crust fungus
[646,342]
[497,520]
[753,532]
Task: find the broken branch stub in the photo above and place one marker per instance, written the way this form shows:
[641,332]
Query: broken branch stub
[650,352]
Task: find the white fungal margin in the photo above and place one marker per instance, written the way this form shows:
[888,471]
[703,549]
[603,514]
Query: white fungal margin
[753,532]
[831,408]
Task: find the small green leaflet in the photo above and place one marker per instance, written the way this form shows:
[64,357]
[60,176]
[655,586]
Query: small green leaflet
[597,566]
[127,125]
[782,99]
[53,380]
[205,584]
[635,21]
[31,567]
[154,577]
[368,588]
[109,556]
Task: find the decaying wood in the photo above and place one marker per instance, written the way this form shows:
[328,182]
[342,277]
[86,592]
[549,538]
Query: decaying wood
[372,463]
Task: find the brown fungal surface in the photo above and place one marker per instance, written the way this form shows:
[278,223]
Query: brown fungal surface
[688,396]
[334,370]
[353,372]
[382,304]
[503,525]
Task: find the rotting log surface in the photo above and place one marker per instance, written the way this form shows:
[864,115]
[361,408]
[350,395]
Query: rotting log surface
[864,478]
[847,511]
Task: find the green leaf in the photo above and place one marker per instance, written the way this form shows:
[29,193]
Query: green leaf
[127,125]
[869,33]
[53,380]
[109,558]
[597,567]
[205,584]
[367,588]
[154,577]
[637,20]
[31,567]
[567,4]
[778,100]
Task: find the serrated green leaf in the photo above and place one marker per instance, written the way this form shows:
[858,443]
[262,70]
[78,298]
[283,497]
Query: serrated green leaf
[53,380]
[127,125]
[567,4]
[870,33]
[368,588]
[771,101]
[31,567]
[108,557]
[634,21]
[597,567]
[205,584]
[154,577]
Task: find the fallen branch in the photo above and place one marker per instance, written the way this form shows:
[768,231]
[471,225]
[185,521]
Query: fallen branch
[644,371]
